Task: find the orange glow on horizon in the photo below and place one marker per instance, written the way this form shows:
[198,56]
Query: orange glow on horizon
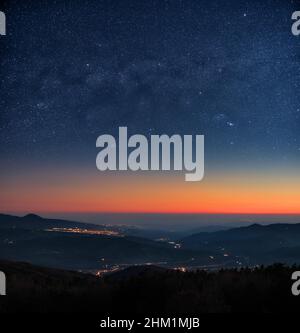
[115,193]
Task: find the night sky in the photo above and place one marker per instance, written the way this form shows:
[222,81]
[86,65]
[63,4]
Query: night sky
[73,70]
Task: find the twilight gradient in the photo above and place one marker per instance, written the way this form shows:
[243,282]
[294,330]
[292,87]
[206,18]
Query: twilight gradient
[71,71]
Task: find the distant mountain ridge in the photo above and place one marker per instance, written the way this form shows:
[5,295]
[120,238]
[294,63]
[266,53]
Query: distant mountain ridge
[45,242]
[33,221]
[48,242]
[259,243]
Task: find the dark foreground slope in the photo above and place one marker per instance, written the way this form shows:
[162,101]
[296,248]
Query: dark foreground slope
[148,290]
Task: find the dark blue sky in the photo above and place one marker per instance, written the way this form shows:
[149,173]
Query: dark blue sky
[72,70]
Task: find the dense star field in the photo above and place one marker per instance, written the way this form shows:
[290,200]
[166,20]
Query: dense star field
[226,69]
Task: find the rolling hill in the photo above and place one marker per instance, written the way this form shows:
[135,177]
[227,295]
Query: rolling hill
[147,291]
[255,243]
[74,245]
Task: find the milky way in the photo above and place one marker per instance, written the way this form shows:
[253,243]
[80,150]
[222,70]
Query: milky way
[71,71]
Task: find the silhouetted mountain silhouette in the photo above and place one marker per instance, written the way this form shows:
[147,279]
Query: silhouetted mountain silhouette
[149,290]
[32,238]
[259,243]
[32,217]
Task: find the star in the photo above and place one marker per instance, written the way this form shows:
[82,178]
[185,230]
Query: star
[230,123]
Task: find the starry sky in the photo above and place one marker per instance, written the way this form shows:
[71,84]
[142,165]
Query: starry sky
[73,70]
